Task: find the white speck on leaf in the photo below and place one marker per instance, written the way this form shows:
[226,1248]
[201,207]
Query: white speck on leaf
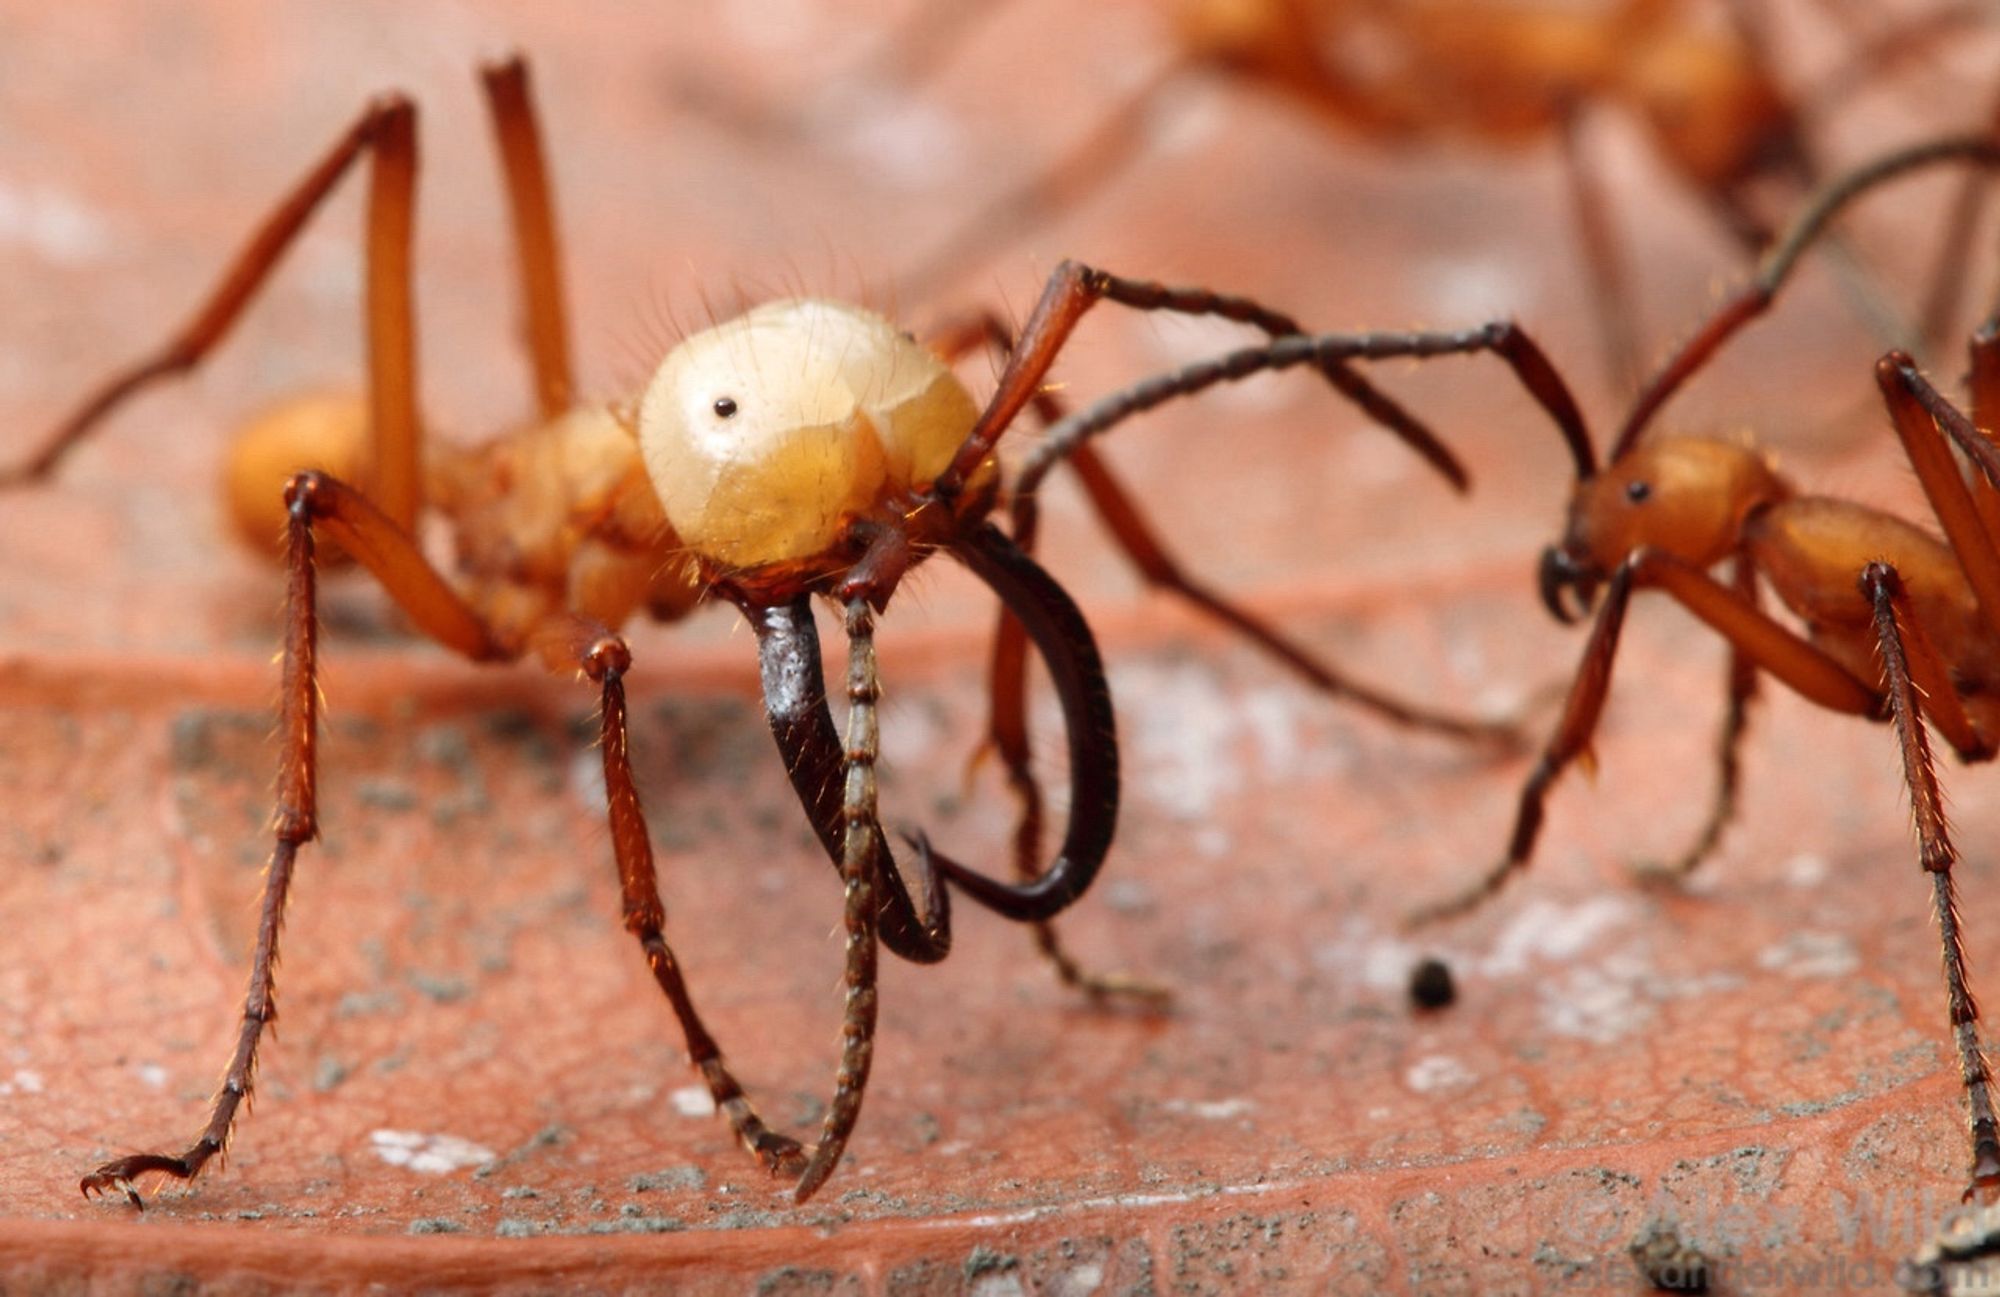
[1811,954]
[693,1101]
[428,1154]
[1438,1072]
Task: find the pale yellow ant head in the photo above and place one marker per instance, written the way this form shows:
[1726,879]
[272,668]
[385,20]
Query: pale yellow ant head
[765,436]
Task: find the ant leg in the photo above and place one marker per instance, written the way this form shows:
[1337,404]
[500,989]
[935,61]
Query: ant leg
[296,822]
[1741,691]
[1571,740]
[604,658]
[1919,411]
[1503,338]
[1767,643]
[386,129]
[1937,855]
[1073,288]
[1984,381]
[859,869]
[311,500]
[510,100]
[1755,298]
[1007,732]
[1142,546]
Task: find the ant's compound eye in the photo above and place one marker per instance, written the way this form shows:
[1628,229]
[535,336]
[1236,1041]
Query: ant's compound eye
[725,407]
[1638,492]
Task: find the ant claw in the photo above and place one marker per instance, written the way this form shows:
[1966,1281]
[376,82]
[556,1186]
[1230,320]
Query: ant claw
[1661,875]
[109,1179]
[1122,990]
[781,1155]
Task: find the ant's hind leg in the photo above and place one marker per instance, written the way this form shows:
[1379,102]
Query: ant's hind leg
[386,130]
[1141,545]
[1007,735]
[1899,638]
[510,103]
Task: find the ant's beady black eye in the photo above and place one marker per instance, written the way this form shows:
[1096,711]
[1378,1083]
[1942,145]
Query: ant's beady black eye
[725,407]
[1638,492]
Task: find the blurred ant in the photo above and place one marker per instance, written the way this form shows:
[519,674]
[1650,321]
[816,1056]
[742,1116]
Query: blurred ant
[806,448]
[1898,625]
[1496,75]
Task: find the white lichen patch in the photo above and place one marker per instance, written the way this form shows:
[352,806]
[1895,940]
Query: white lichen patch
[1811,954]
[1599,1004]
[1211,1109]
[151,1075]
[1079,1280]
[428,1154]
[1555,933]
[1198,742]
[693,1101]
[52,225]
[23,1081]
[1617,997]
[1183,744]
[1436,1072]
[1806,870]
[1363,954]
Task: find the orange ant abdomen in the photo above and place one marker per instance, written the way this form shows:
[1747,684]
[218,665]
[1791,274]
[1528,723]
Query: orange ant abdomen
[327,431]
[1810,550]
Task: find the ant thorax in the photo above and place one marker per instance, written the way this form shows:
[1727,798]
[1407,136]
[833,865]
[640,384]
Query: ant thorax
[560,515]
[767,435]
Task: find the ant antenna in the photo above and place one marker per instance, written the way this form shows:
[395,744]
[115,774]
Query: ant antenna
[1755,298]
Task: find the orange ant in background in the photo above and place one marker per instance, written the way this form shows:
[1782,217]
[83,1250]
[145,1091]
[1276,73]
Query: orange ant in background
[1695,77]
[806,448]
[1899,626]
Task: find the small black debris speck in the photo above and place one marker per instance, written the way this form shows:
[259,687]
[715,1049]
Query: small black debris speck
[1431,984]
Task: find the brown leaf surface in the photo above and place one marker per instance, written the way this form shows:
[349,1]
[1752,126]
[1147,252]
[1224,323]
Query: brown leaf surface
[475,1085]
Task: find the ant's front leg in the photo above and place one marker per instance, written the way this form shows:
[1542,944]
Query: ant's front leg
[860,870]
[1074,288]
[296,823]
[1764,642]
[311,500]
[604,658]
[1571,740]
